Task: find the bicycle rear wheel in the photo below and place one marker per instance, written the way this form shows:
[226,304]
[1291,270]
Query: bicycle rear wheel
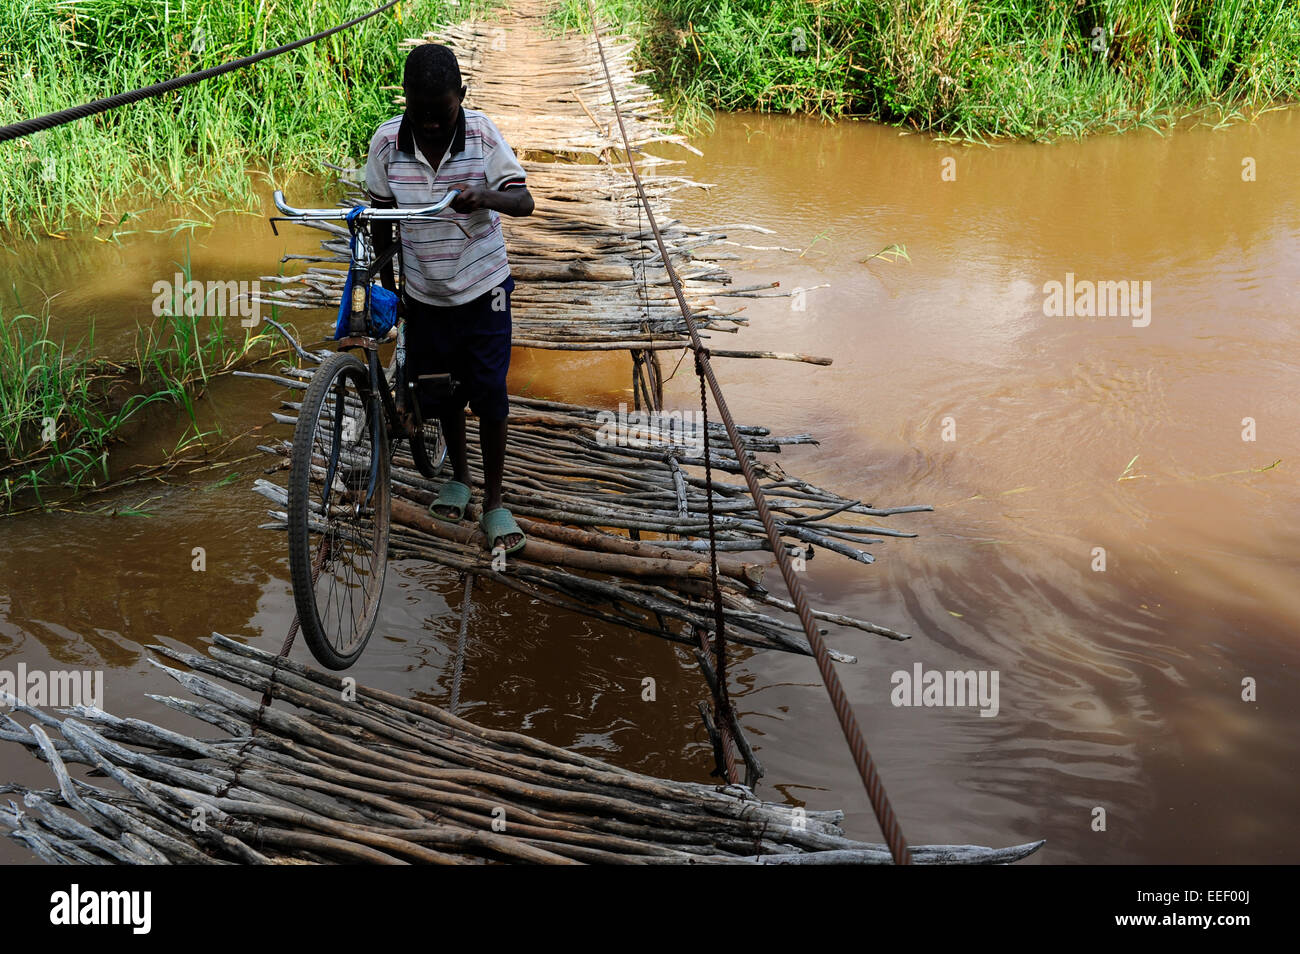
[428,447]
[339,511]
[429,450]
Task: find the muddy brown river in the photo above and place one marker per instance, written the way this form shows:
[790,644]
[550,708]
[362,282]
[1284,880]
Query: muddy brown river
[1113,533]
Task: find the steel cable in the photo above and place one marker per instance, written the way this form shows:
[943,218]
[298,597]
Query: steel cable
[63,116]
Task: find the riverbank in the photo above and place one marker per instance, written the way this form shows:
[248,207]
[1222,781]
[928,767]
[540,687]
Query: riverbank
[1038,69]
[63,407]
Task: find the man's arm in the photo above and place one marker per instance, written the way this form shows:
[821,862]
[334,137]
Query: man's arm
[380,194]
[515,200]
[381,235]
[502,188]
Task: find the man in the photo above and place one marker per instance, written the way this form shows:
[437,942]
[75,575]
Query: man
[457,288]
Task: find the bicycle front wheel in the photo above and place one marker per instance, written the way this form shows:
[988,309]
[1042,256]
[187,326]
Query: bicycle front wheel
[339,511]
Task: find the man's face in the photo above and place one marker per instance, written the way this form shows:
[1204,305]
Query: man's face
[433,116]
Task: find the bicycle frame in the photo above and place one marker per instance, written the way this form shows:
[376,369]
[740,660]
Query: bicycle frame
[363,260]
[364,266]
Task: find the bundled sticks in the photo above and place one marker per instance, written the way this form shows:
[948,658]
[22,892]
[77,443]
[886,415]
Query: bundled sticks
[331,774]
[549,91]
[587,277]
[586,484]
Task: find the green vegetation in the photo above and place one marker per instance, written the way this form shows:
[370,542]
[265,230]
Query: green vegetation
[970,68]
[61,407]
[185,346]
[198,144]
[48,393]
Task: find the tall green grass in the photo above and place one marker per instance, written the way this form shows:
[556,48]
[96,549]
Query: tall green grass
[57,415]
[178,353]
[61,407]
[286,114]
[975,68]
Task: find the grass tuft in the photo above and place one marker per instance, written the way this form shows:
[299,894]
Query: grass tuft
[61,408]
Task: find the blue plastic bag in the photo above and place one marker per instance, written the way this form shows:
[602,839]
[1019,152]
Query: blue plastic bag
[383,303]
[383,311]
[345,309]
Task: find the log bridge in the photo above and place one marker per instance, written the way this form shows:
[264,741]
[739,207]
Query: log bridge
[617,523]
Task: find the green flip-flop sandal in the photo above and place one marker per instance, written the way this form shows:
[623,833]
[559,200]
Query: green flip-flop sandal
[500,523]
[452,494]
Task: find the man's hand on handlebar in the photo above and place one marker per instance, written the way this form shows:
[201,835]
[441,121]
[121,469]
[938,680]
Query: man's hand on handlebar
[476,195]
[472,198]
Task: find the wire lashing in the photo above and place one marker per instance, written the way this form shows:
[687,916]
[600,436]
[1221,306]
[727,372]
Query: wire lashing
[866,766]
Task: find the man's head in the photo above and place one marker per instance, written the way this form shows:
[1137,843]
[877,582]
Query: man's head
[431,82]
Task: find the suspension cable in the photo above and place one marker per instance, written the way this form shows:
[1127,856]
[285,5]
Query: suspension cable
[839,700]
[63,116]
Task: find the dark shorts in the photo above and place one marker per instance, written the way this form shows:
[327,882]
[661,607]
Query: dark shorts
[471,342]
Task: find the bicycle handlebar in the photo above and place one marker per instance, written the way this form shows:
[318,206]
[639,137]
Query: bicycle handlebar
[368,213]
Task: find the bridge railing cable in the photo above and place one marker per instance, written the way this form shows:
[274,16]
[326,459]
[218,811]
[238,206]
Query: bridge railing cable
[63,116]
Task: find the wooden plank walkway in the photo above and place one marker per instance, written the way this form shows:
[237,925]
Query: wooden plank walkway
[583,485]
[588,270]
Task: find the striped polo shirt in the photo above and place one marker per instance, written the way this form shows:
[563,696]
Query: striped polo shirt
[443,267]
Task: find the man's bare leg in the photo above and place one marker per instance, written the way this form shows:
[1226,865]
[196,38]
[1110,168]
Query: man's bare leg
[492,437]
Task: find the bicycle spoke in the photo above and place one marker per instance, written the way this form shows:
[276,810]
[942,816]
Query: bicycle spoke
[344,496]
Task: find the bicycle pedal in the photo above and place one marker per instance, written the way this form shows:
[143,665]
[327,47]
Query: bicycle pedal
[436,386]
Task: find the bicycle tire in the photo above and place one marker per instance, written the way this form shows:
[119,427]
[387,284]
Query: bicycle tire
[341,529]
[428,464]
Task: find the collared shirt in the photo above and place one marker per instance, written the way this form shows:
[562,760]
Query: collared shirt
[443,267]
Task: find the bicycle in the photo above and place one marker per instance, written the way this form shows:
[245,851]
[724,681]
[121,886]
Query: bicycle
[339,493]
